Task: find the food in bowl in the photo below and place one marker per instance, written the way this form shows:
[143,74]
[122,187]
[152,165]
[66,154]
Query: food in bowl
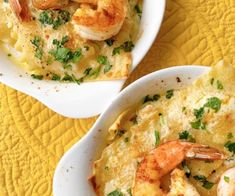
[184,138]
[79,40]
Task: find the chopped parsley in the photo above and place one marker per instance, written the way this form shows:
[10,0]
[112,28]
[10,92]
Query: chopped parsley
[109,42]
[107,68]
[230,146]
[186,169]
[213,103]
[205,183]
[208,185]
[148,98]
[226,179]
[87,71]
[87,48]
[129,191]
[54,18]
[186,136]
[94,72]
[116,51]
[126,140]
[37,77]
[169,94]
[198,124]
[219,85]
[212,81]
[38,43]
[126,47]
[77,55]
[138,10]
[117,192]
[72,78]
[198,113]
[229,135]
[55,77]
[67,66]
[120,133]
[103,60]
[157,138]
[65,55]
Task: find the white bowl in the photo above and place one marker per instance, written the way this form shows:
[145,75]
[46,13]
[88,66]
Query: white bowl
[88,99]
[75,167]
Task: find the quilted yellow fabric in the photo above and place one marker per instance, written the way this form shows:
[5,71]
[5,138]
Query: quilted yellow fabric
[33,138]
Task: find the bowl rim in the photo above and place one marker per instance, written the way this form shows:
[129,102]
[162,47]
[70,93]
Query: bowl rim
[87,140]
[44,91]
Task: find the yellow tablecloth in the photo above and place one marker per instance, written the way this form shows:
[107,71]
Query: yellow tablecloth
[33,138]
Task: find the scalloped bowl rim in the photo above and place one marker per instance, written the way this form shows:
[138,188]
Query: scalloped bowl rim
[76,165]
[71,100]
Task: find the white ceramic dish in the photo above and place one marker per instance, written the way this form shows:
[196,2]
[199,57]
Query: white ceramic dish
[88,99]
[75,167]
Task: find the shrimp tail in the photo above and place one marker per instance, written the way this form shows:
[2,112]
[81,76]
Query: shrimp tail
[203,152]
[166,158]
[21,10]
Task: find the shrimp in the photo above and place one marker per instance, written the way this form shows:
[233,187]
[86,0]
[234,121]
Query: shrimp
[226,186]
[101,23]
[165,158]
[21,9]
[93,20]
[49,4]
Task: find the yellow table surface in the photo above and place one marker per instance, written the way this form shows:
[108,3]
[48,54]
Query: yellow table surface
[33,138]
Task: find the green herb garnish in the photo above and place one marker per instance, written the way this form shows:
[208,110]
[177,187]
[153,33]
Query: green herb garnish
[198,113]
[198,124]
[186,136]
[138,10]
[126,139]
[126,46]
[38,43]
[226,179]
[120,133]
[157,138]
[65,55]
[229,135]
[129,192]
[205,183]
[169,94]
[54,18]
[212,81]
[37,77]
[109,42]
[230,146]
[186,169]
[148,98]
[219,85]
[213,103]
[55,77]
[117,192]
[103,60]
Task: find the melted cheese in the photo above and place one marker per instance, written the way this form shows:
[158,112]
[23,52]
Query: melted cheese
[117,165]
[18,36]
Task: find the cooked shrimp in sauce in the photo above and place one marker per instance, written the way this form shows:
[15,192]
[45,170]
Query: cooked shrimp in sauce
[72,40]
[93,20]
[175,143]
[164,159]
